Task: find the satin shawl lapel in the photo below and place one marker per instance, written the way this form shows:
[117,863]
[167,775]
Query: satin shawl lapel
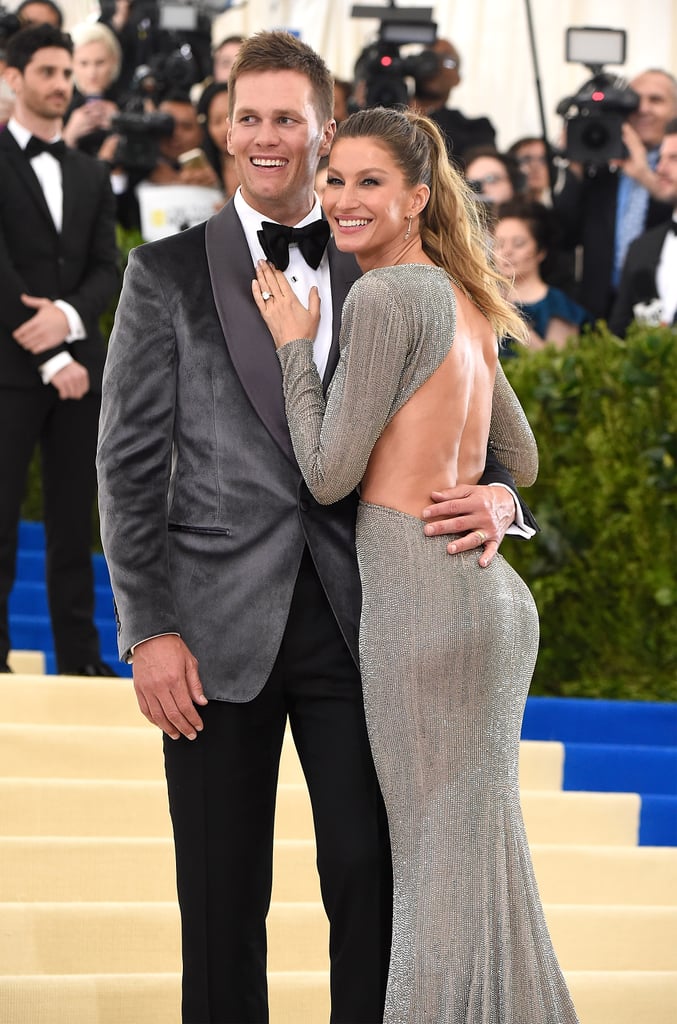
[344,272]
[248,339]
[10,149]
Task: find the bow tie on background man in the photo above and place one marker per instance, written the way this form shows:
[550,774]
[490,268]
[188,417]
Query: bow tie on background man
[311,240]
[36,146]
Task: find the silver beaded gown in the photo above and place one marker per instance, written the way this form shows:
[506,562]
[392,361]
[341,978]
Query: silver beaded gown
[447,650]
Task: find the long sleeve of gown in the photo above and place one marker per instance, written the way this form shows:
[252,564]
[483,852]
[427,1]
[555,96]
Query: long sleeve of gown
[510,436]
[398,325]
[333,440]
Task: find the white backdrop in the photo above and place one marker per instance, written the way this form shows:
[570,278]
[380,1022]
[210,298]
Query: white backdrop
[491,36]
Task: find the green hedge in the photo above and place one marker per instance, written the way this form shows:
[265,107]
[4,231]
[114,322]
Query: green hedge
[604,568]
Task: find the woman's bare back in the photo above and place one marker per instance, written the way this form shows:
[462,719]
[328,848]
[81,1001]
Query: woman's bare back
[439,437]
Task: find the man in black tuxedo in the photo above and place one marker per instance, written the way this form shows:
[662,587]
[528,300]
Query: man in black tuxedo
[58,273]
[238,595]
[649,277]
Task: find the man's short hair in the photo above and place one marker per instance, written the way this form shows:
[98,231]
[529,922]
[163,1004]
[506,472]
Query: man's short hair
[23,46]
[281,51]
[54,8]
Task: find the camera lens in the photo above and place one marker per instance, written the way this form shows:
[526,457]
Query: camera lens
[595,136]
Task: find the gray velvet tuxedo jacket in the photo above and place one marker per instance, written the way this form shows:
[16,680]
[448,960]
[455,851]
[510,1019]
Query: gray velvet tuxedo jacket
[204,513]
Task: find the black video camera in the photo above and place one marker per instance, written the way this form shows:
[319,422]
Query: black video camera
[595,115]
[140,134]
[381,65]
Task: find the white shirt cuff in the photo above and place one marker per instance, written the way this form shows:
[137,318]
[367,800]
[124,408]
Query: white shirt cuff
[155,635]
[52,366]
[76,328]
[518,528]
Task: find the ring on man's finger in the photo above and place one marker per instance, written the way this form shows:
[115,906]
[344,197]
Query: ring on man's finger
[481,534]
[266,295]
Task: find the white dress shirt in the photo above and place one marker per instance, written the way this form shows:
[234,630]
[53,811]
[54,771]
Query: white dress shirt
[666,274]
[301,277]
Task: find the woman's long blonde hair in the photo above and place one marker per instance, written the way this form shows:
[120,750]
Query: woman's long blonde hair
[454,231]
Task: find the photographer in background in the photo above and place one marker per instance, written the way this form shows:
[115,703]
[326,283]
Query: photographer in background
[648,287]
[606,206]
[431,96]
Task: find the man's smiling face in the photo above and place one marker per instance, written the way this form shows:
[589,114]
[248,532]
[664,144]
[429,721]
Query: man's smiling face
[277,137]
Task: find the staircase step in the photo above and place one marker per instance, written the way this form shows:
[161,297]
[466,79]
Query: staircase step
[601,997]
[658,822]
[60,868]
[27,663]
[33,632]
[586,720]
[72,751]
[82,807]
[29,598]
[63,938]
[606,767]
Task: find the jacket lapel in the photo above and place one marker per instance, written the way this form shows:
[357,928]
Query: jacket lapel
[248,340]
[344,272]
[25,173]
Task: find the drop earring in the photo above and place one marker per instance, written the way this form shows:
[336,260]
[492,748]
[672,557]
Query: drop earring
[408,231]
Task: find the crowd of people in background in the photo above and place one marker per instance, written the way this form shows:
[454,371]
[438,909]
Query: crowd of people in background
[589,213]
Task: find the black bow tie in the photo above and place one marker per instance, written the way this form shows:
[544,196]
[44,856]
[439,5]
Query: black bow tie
[311,240]
[36,146]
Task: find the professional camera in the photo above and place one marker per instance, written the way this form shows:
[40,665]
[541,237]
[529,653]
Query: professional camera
[140,134]
[172,37]
[382,66]
[595,115]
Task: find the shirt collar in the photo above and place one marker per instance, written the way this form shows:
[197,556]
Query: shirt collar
[23,134]
[251,221]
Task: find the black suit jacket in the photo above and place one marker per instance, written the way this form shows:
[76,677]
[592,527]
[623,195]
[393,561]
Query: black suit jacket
[78,264]
[638,280]
[587,209]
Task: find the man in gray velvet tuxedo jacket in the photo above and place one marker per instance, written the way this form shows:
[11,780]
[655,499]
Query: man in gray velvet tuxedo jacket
[232,584]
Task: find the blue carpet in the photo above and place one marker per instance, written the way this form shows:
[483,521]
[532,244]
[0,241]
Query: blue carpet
[29,622]
[616,747]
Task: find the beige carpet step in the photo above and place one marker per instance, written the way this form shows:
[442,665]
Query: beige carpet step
[632,997]
[627,997]
[27,663]
[295,998]
[111,869]
[135,752]
[79,807]
[90,938]
[39,868]
[550,817]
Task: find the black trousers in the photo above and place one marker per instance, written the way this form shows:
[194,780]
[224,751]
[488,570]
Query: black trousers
[66,431]
[222,789]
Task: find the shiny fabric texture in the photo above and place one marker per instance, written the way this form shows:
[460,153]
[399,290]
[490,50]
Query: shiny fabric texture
[447,650]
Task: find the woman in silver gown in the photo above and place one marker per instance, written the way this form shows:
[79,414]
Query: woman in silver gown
[417,394]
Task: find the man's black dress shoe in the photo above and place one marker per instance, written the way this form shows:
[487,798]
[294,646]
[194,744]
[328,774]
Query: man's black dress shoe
[94,668]
[4,667]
